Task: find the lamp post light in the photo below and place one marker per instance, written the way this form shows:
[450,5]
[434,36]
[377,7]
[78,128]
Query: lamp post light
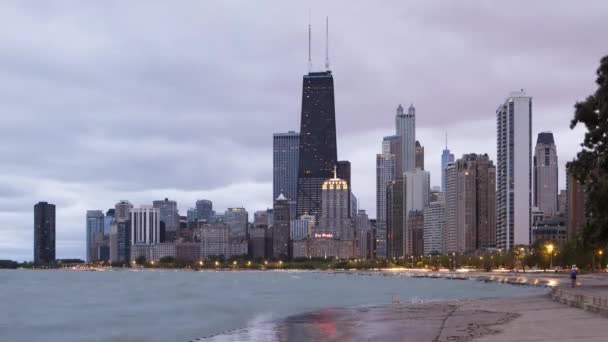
[550,248]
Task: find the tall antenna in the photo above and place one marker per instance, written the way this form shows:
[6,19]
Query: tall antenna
[326,43]
[446,140]
[309,59]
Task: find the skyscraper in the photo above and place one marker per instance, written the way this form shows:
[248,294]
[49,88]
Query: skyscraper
[406,129]
[514,171]
[392,145]
[417,189]
[44,233]
[364,235]
[145,226]
[446,158]
[343,172]
[317,152]
[95,224]
[204,209]
[280,228]
[385,172]
[122,209]
[450,194]
[285,155]
[335,215]
[475,202]
[419,156]
[545,174]
[169,216]
[238,220]
[395,218]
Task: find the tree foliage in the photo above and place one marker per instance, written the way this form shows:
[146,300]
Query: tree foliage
[590,167]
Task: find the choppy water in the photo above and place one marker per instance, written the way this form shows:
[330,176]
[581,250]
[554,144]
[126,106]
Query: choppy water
[181,305]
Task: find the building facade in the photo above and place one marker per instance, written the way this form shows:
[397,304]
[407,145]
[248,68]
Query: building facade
[169,217]
[545,174]
[317,151]
[204,209]
[446,158]
[281,228]
[385,172]
[415,224]
[335,212]
[238,221]
[419,156]
[95,232]
[145,225]
[434,225]
[475,203]
[576,207]
[285,156]
[44,233]
[406,129]
[395,218]
[514,171]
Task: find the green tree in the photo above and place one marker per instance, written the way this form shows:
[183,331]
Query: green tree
[590,167]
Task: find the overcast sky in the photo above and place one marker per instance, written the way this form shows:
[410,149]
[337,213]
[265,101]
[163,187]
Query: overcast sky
[142,100]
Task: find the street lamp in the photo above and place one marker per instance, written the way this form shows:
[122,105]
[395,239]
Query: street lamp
[550,247]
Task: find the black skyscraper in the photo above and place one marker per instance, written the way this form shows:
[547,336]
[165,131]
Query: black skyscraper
[44,233]
[317,154]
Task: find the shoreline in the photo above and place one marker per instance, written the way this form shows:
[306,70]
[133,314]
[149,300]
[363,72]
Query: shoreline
[530,318]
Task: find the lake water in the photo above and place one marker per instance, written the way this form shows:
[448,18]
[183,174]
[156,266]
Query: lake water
[182,305]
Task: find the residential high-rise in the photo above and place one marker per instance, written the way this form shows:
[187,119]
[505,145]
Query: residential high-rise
[335,215]
[434,223]
[95,225]
[406,129]
[44,233]
[385,172]
[576,207]
[281,228]
[169,216]
[545,174]
[285,155]
[419,156]
[514,171]
[446,158]
[238,220]
[475,203]
[449,231]
[317,152]
[395,218]
[204,209]
[145,225]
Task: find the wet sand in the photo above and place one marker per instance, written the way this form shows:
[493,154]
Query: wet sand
[536,318]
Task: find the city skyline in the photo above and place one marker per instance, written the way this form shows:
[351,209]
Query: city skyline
[206,165]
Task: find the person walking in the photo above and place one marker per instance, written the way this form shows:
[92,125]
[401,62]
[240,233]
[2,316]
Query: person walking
[573,273]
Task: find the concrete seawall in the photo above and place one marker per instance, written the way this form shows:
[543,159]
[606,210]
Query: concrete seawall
[583,298]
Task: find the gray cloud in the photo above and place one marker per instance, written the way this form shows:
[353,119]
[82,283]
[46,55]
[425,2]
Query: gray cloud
[147,100]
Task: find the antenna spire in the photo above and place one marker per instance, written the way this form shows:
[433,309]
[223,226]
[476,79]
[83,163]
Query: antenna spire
[309,38]
[326,43]
[446,140]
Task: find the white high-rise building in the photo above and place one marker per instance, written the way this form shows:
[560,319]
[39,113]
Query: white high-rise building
[145,225]
[406,129]
[514,171]
[434,224]
[417,185]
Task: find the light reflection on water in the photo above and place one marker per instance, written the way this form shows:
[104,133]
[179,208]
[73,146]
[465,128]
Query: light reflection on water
[181,306]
